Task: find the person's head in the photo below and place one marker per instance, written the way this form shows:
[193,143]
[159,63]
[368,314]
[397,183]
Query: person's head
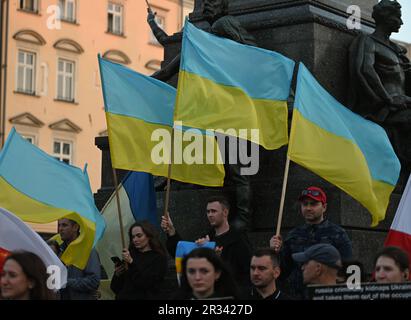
[391,265]
[313,204]
[24,277]
[53,244]
[68,229]
[218,209]
[388,13]
[264,268]
[204,274]
[144,236]
[320,263]
[214,9]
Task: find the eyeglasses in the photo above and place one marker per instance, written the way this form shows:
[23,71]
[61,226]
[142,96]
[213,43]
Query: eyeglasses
[315,193]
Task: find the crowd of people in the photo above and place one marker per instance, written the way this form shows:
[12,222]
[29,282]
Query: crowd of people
[318,252]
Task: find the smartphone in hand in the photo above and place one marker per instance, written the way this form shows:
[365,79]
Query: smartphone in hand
[116,260]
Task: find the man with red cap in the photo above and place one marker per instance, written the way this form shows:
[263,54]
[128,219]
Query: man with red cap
[317,229]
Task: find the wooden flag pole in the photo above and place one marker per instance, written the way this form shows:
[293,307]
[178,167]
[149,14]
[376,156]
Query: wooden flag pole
[167,198]
[281,210]
[120,218]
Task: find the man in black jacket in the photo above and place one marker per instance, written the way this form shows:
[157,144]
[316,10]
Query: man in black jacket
[233,246]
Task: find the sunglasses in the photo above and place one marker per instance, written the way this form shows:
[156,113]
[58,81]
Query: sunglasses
[315,193]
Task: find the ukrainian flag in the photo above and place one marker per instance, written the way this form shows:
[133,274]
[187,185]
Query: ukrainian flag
[184,248]
[138,202]
[350,152]
[220,87]
[139,111]
[38,188]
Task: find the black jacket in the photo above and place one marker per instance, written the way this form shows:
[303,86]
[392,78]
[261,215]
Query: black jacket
[143,279]
[277,295]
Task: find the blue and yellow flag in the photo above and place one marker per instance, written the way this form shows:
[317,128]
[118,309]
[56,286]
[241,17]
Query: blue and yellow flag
[38,188]
[219,87]
[139,111]
[184,248]
[340,146]
[138,202]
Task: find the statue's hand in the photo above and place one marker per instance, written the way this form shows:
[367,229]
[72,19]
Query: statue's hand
[160,75]
[156,74]
[399,102]
[150,15]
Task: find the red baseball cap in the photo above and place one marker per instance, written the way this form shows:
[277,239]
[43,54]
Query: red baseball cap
[314,193]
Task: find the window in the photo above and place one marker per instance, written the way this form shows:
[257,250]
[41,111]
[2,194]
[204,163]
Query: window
[68,10]
[65,80]
[29,5]
[62,150]
[161,22]
[26,70]
[115,18]
[29,138]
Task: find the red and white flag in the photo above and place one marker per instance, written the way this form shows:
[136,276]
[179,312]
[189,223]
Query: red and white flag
[16,235]
[400,231]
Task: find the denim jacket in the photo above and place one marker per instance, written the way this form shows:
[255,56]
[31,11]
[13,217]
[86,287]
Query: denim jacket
[82,284]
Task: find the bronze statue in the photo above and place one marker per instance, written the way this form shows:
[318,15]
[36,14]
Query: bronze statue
[215,12]
[380,80]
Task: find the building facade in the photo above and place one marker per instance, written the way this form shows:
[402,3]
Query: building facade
[405,45]
[50,83]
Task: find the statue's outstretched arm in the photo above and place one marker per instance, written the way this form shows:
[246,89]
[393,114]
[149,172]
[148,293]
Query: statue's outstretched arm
[159,33]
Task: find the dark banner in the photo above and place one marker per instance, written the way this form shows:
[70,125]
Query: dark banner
[367,291]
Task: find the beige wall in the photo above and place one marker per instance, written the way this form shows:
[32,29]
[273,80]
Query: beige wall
[33,115]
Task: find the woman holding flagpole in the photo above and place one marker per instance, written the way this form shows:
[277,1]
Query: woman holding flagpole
[141,273]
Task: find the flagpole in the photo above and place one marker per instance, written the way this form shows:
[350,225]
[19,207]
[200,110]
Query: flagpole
[120,218]
[281,210]
[167,198]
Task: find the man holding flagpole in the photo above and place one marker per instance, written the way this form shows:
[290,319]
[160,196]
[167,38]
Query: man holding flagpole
[81,284]
[317,229]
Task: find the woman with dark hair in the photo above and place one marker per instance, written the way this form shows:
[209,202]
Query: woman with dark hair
[24,277]
[141,273]
[392,265]
[205,276]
